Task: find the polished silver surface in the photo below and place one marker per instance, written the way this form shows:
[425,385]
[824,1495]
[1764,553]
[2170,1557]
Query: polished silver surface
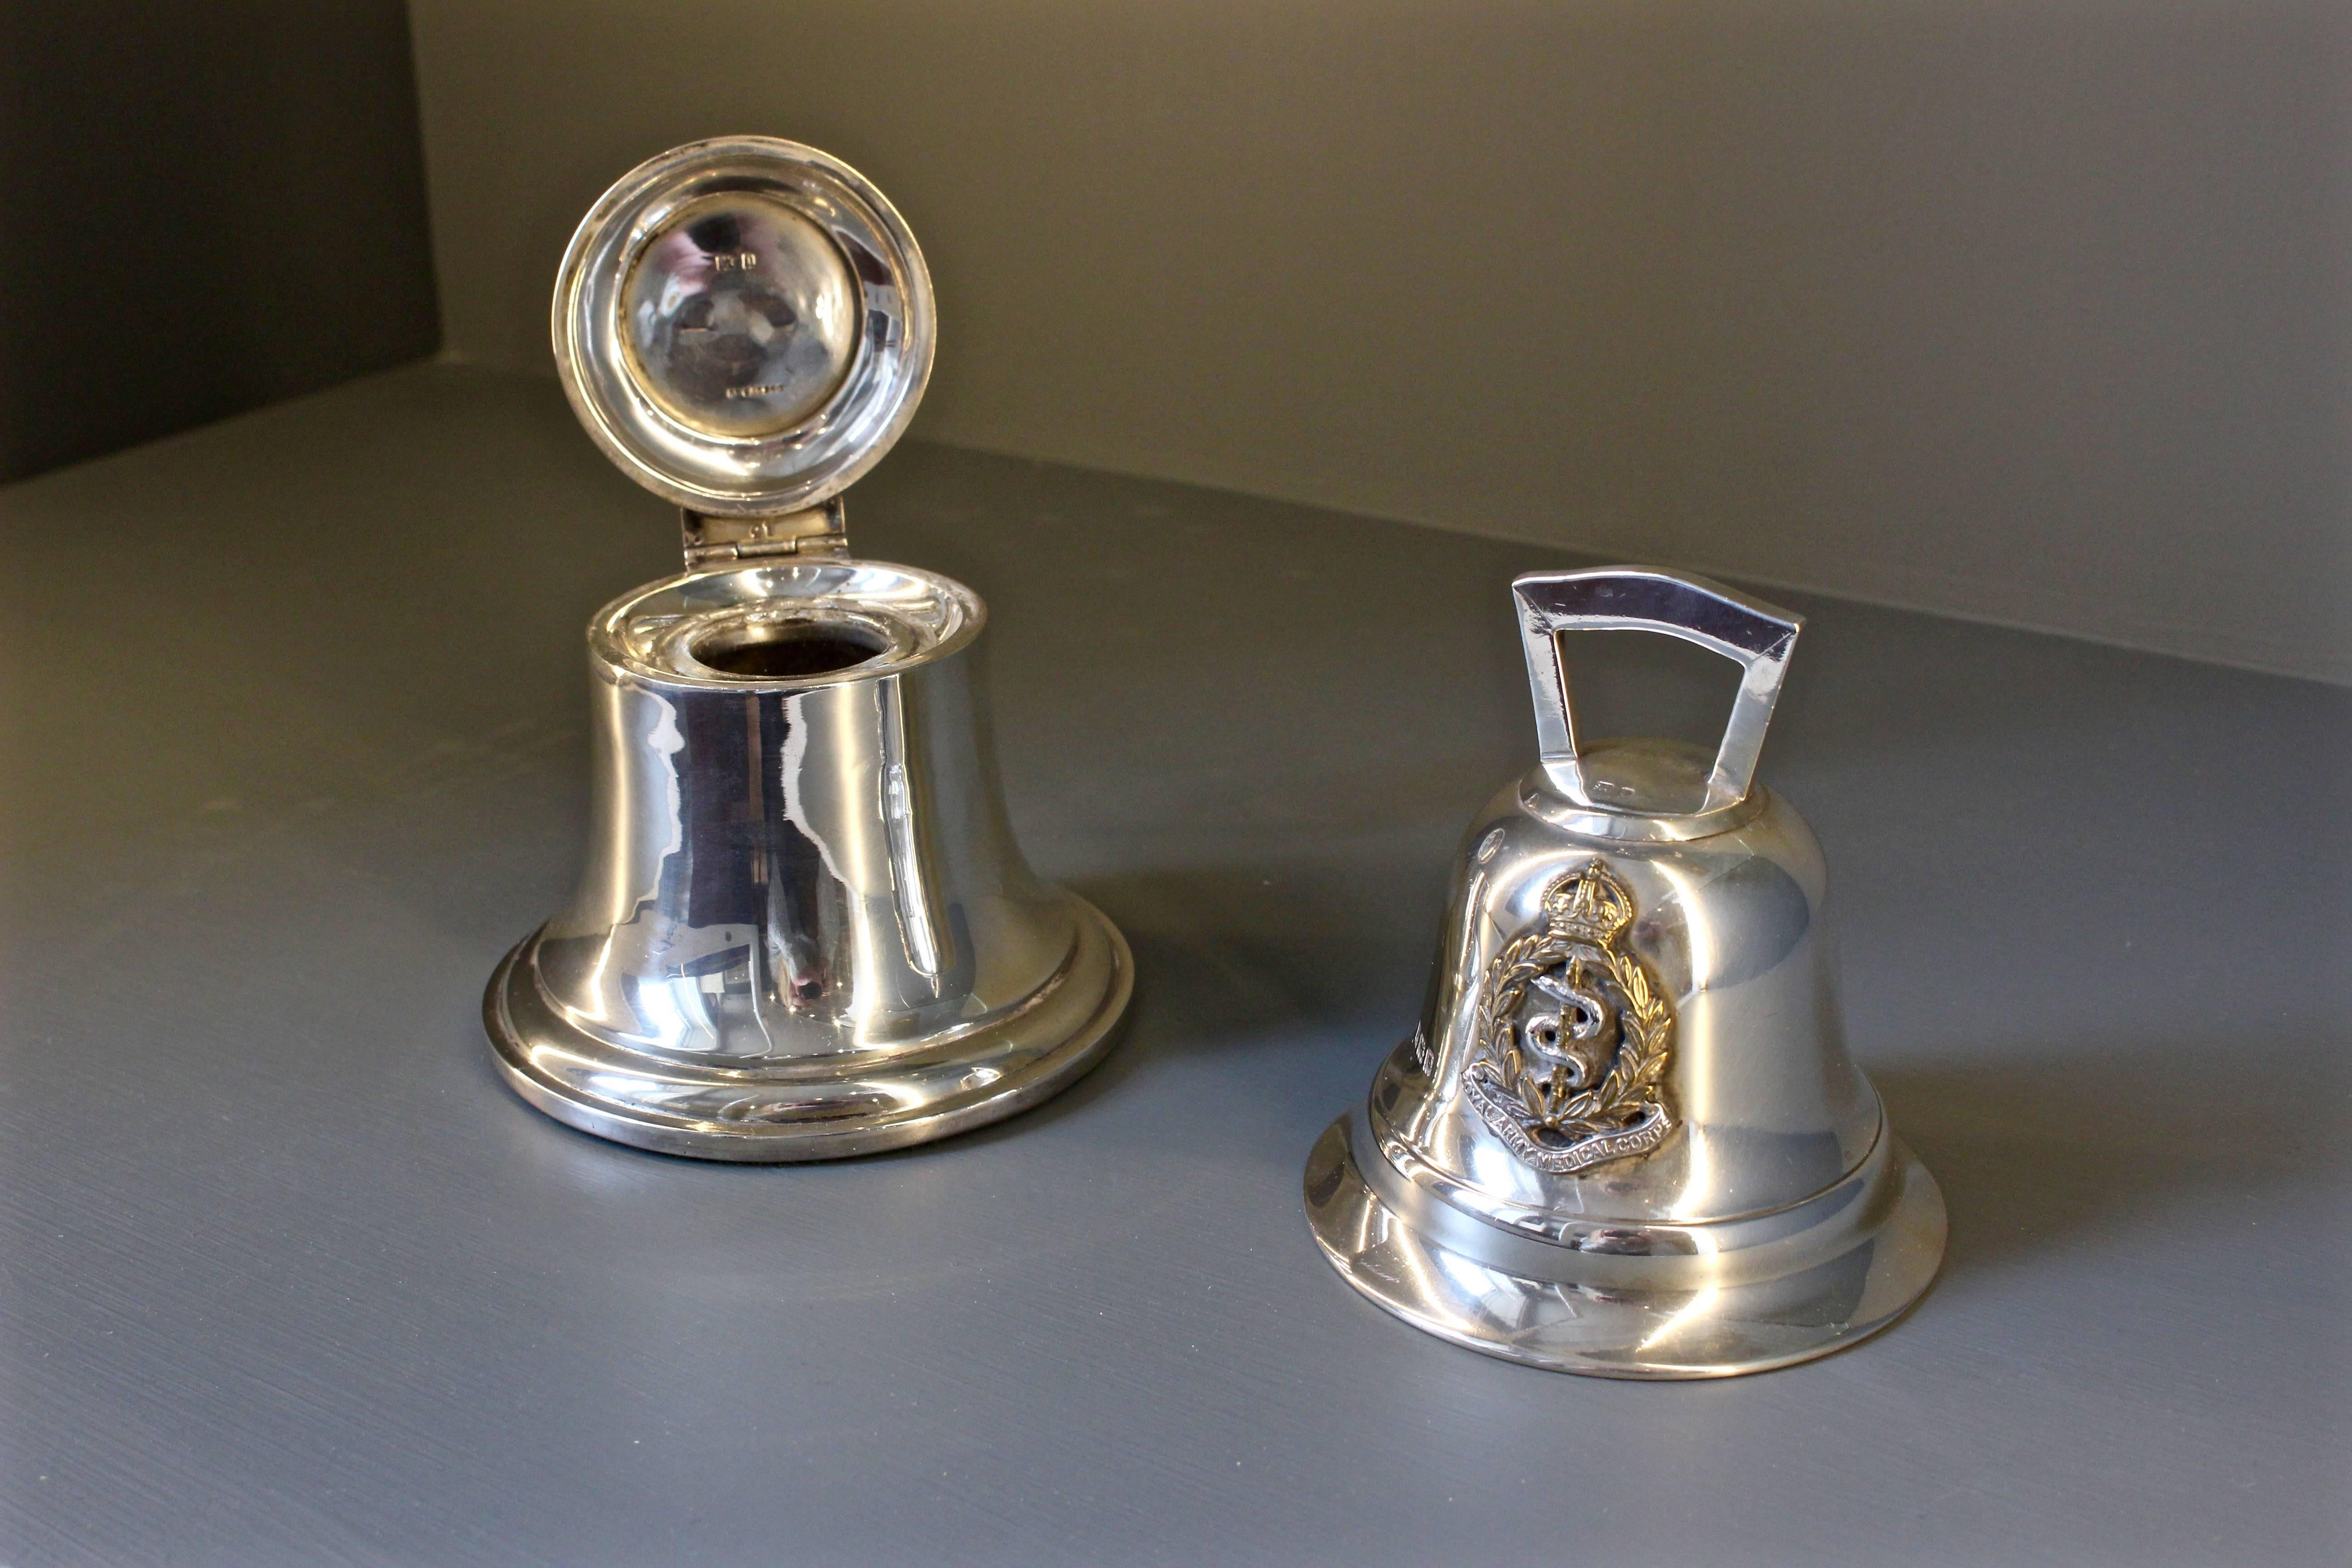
[739,316]
[805,928]
[744,325]
[1722,620]
[1626,1137]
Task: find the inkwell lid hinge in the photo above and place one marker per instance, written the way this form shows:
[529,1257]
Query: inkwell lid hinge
[715,541]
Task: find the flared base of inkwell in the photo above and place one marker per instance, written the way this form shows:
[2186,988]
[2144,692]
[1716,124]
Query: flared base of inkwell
[819,1108]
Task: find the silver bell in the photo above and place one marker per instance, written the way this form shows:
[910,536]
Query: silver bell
[803,928]
[1626,1139]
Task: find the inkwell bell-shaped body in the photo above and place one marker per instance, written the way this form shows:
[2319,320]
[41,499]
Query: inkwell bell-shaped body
[1626,1139]
[803,928]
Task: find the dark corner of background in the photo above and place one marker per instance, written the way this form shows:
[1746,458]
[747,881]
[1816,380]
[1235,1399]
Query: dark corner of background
[210,207]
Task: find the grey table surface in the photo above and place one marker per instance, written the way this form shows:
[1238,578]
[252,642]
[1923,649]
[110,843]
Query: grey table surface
[296,749]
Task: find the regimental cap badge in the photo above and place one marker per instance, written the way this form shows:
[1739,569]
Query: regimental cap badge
[1573,1035]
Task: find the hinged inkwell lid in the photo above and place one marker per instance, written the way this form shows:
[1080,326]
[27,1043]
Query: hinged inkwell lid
[745,325]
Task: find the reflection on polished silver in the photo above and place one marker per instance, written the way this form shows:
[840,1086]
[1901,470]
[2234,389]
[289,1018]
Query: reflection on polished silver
[803,928]
[1626,1139]
[739,316]
[744,325]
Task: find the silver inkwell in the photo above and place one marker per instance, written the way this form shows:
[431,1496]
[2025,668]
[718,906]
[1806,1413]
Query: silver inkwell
[803,928]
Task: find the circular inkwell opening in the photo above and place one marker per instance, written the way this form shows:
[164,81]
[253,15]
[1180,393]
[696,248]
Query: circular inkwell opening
[787,649]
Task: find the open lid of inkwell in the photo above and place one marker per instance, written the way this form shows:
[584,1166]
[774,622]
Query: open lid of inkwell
[745,325]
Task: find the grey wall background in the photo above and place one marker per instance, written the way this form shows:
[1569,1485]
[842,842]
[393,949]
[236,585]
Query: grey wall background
[2037,312]
[207,207]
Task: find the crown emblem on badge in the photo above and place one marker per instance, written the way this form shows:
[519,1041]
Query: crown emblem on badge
[1589,905]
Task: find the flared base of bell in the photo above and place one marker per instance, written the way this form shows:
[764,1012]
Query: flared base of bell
[821,1108]
[1759,1292]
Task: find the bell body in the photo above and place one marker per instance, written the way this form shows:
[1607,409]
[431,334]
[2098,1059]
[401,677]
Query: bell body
[803,928]
[1626,1137]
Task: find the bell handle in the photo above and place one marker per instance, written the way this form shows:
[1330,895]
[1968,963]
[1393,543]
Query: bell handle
[1754,634]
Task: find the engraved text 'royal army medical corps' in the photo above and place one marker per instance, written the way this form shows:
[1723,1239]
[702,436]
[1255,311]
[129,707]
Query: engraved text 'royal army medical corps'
[803,928]
[1626,1139]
